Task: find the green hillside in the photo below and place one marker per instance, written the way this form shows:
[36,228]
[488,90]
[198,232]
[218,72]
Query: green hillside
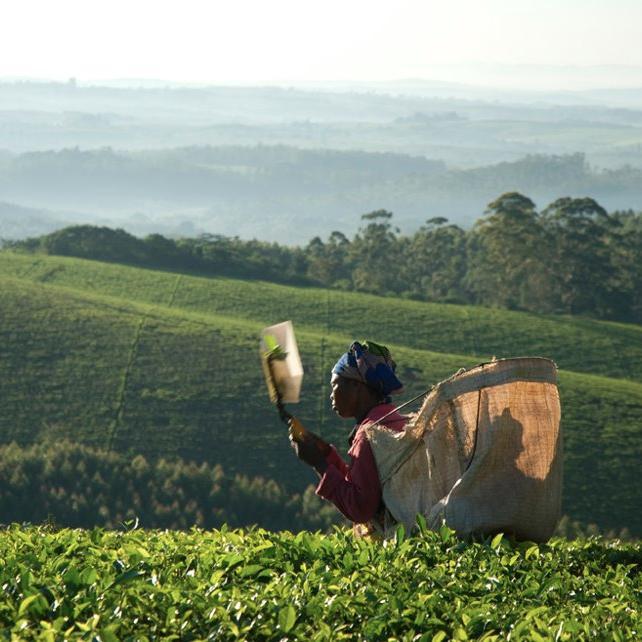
[166,364]
[162,381]
[579,344]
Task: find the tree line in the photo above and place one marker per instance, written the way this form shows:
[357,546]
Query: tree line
[572,257]
[81,487]
[71,485]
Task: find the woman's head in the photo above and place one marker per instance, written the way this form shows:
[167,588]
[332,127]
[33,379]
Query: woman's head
[350,398]
[363,376]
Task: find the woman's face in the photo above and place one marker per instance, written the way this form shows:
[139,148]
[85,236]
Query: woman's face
[343,395]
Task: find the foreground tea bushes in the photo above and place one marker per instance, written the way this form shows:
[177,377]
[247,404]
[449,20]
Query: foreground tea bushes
[224,585]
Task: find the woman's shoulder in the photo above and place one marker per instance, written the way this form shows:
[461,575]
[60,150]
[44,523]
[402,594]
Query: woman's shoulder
[386,415]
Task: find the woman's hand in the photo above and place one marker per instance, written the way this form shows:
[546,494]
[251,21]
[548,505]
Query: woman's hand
[308,447]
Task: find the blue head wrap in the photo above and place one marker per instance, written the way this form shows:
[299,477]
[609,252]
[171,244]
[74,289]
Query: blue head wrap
[371,364]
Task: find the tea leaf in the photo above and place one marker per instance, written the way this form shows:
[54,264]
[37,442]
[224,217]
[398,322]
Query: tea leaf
[287,618]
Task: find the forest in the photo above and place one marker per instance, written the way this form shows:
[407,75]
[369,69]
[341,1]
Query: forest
[572,257]
[81,487]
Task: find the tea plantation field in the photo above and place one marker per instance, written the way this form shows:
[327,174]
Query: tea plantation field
[228,585]
[578,344]
[166,364]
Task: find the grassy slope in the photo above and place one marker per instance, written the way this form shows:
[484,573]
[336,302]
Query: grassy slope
[156,379]
[581,345]
[184,380]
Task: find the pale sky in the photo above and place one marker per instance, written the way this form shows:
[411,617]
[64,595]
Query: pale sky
[271,41]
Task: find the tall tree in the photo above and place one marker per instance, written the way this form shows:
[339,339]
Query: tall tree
[583,273]
[435,262]
[625,248]
[328,262]
[376,255]
[507,260]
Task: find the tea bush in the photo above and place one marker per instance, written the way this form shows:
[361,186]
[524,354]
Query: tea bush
[228,585]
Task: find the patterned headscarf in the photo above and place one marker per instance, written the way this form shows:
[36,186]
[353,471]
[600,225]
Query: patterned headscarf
[371,364]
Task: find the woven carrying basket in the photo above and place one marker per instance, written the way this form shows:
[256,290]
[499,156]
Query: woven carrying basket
[483,455]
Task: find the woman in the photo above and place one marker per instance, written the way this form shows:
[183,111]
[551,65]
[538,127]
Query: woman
[362,381]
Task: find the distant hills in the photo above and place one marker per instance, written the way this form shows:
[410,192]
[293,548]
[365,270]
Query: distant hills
[282,193]
[181,160]
[19,222]
[166,364]
[490,126]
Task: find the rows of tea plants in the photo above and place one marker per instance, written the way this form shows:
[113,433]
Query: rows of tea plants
[162,382]
[575,343]
[228,585]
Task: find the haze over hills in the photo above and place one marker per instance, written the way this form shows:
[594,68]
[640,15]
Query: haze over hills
[17,221]
[289,163]
[278,193]
[464,127]
[509,82]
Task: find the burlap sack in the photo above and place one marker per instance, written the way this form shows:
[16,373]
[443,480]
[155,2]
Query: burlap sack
[483,455]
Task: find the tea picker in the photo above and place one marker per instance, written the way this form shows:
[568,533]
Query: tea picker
[483,454]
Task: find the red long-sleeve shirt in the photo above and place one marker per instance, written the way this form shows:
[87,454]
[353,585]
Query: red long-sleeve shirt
[355,489]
